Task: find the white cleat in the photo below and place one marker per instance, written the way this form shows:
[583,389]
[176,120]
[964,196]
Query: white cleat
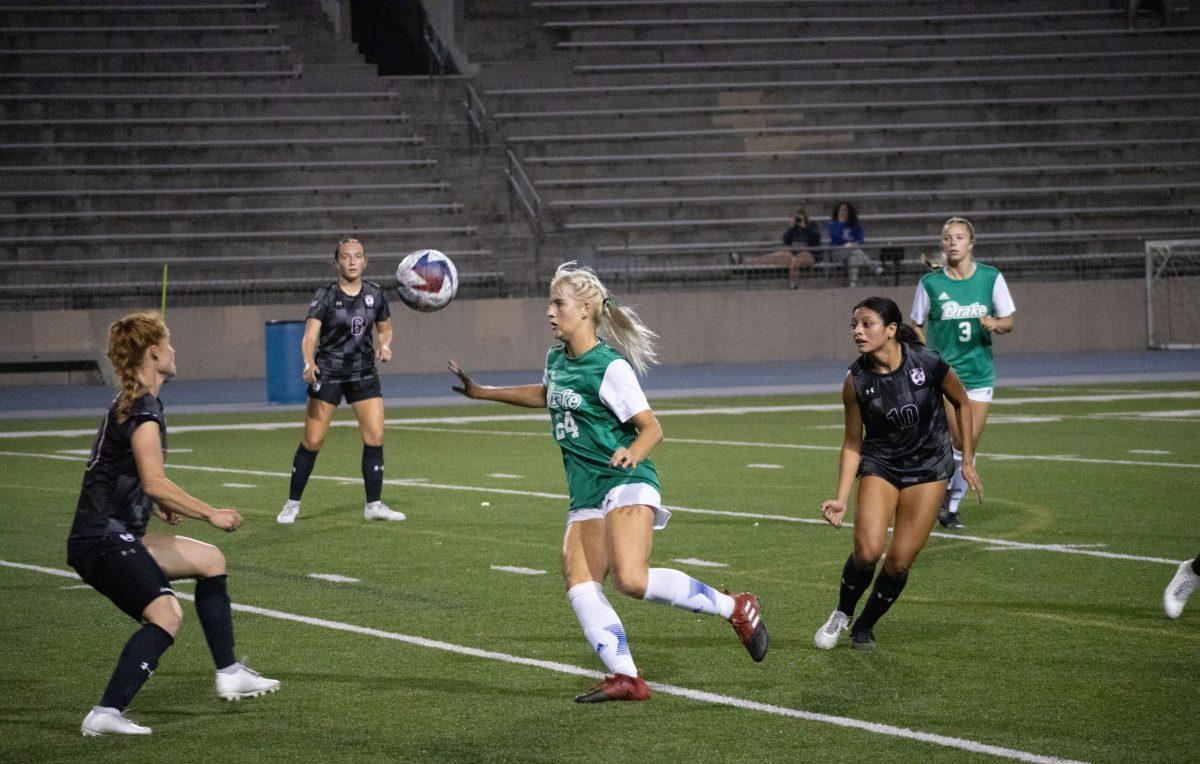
[110,722]
[377,510]
[288,514]
[826,637]
[1175,596]
[244,683]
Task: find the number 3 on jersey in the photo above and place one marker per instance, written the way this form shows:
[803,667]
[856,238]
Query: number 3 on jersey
[964,331]
[564,425]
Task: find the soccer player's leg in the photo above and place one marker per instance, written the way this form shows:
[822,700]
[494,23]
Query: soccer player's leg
[981,399]
[630,538]
[182,557]
[874,504]
[367,402]
[322,402]
[135,584]
[916,512]
[585,565]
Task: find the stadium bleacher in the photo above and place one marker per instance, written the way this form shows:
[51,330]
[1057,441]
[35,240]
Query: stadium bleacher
[690,130]
[200,135]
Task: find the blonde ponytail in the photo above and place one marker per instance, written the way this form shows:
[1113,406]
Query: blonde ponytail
[620,325]
[128,340]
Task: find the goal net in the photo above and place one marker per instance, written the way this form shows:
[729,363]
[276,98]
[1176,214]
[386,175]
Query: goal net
[1173,294]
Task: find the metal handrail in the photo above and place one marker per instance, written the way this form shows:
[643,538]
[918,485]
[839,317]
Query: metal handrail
[477,117]
[526,194]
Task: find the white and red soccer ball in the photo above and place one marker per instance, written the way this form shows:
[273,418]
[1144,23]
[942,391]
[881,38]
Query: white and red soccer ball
[426,280]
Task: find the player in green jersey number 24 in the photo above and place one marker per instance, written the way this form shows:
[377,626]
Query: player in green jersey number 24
[956,310]
[606,430]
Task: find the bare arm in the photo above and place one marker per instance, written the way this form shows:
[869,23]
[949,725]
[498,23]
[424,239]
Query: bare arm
[383,352]
[957,395]
[529,396]
[308,348]
[170,498]
[835,509]
[920,330]
[650,434]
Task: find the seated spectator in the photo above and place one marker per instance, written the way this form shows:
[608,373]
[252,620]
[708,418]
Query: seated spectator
[800,239]
[846,241]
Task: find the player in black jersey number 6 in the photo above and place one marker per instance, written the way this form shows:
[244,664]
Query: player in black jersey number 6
[894,391]
[339,362]
[109,547]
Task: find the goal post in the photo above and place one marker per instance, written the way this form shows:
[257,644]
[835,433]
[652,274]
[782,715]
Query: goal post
[1173,294]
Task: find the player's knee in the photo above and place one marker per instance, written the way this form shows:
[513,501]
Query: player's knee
[166,614]
[213,563]
[897,564]
[867,555]
[312,444]
[631,581]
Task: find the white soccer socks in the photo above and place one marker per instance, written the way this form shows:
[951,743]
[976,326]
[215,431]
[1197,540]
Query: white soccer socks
[678,589]
[602,627]
[957,488]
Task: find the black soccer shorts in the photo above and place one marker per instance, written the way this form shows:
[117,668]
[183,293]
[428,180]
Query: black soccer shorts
[120,568]
[333,390]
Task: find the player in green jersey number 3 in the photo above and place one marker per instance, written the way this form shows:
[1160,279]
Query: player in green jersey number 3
[956,310]
[606,430]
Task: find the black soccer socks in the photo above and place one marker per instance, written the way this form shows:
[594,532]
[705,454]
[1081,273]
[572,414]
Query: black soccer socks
[855,581]
[302,467]
[372,470]
[887,589]
[138,660]
[216,618]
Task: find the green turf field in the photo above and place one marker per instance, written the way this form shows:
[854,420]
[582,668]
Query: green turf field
[1045,647]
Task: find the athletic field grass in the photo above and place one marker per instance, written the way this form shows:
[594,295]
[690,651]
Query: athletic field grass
[1035,633]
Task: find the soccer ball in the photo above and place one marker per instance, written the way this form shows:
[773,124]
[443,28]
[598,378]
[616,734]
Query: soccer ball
[426,280]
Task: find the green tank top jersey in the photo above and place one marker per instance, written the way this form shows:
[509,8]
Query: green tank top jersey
[587,430]
[953,327]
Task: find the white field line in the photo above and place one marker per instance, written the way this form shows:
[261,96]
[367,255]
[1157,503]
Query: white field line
[421,483]
[238,485]
[667,689]
[542,417]
[1069,458]
[764,466]
[519,570]
[335,578]
[699,563]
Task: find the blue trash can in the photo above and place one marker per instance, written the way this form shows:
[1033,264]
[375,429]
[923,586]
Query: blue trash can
[285,362]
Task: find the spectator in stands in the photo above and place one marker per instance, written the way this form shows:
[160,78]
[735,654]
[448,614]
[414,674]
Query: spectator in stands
[846,241]
[801,239]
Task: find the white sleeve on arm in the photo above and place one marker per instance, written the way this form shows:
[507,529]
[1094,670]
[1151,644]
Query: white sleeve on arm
[1002,301]
[620,391]
[920,308]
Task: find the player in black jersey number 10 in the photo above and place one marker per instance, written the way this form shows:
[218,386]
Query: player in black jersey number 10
[898,444]
[339,363]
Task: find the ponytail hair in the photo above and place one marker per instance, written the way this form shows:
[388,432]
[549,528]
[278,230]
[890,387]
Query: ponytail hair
[128,340]
[889,311]
[621,325]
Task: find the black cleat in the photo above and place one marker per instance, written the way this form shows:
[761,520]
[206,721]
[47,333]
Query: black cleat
[862,640]
[953,523]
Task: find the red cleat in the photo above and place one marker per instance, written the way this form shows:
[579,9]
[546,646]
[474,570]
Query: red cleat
[747,622]
[616,687]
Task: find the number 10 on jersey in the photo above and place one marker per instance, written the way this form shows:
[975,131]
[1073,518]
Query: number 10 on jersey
[564,425]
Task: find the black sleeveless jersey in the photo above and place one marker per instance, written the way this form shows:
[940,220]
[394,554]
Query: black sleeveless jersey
[903,413]
[112,500]
[346,347]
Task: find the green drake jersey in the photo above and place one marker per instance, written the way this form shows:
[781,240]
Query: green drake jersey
[592,401]
[951,308]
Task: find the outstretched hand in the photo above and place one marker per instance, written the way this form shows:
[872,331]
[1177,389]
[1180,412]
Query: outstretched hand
[468,387]
[228,520]
[834,511]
